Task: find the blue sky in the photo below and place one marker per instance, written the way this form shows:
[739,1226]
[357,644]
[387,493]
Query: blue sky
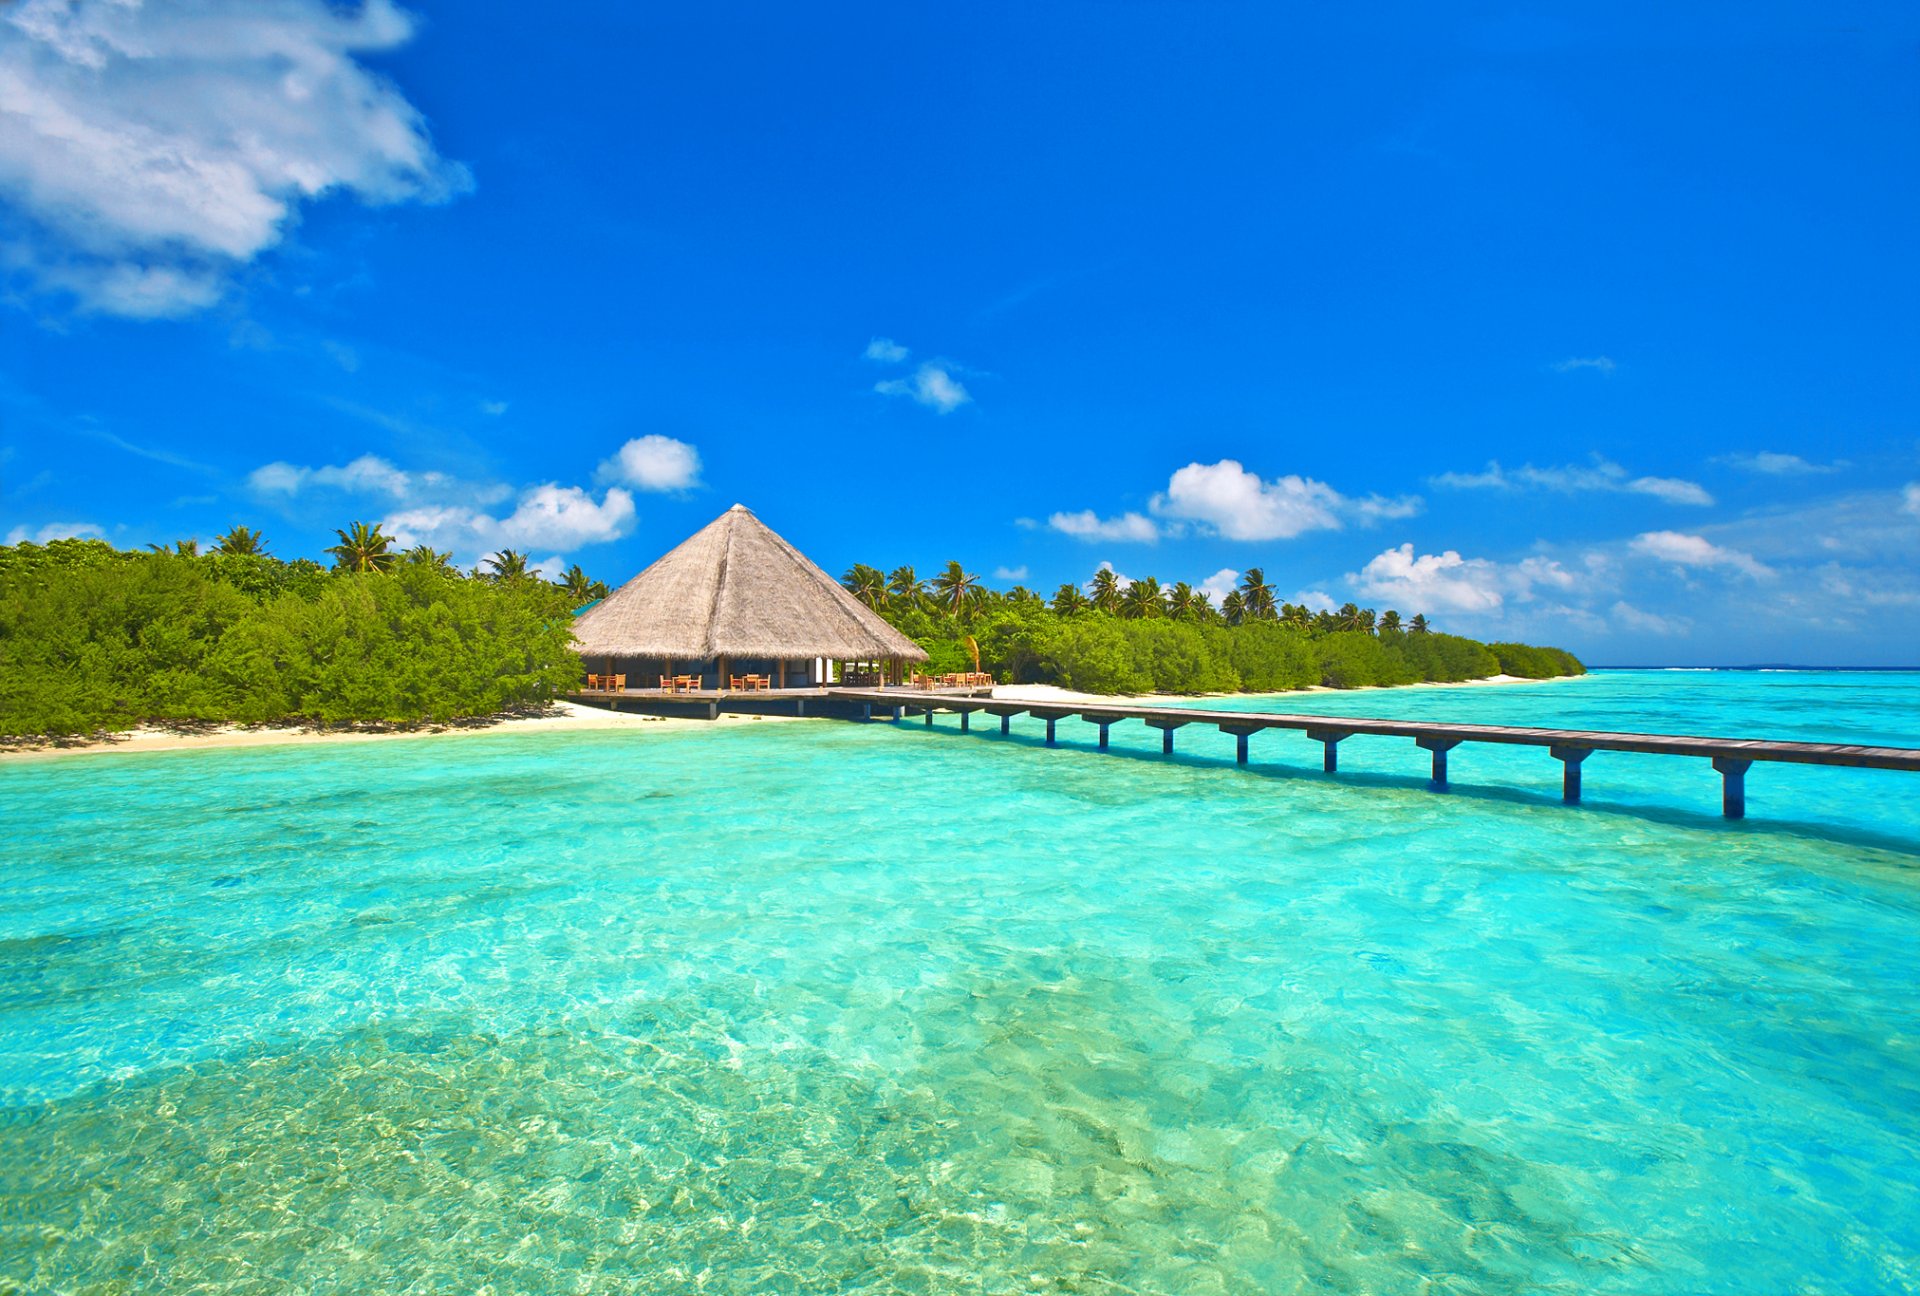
[1596,329]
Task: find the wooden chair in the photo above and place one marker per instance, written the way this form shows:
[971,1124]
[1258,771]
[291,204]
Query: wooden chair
[666,683]
[618,683]
[593,682]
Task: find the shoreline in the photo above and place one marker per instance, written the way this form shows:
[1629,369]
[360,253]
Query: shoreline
[572,717]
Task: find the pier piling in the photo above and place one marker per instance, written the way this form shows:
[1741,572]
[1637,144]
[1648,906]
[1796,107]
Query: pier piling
[1570,758]
[1439,747]
[1733,786]
[1731,757]
[1330,740]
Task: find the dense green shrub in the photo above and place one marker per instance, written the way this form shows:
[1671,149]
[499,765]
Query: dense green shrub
[1023,640]
[92,638]
[1530,662]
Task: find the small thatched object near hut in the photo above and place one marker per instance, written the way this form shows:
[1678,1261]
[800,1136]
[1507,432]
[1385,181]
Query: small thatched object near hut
[735,592]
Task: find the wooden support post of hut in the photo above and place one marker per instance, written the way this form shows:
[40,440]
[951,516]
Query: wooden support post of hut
[736,595]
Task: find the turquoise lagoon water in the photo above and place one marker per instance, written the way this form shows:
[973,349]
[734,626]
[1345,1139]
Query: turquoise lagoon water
[830,1007]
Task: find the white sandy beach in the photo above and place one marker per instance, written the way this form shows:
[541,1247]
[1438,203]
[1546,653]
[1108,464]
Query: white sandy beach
[563,717]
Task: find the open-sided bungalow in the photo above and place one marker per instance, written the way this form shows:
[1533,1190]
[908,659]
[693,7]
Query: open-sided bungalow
[737,607]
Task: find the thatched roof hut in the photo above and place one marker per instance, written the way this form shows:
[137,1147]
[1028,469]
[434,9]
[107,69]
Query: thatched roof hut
[736,590]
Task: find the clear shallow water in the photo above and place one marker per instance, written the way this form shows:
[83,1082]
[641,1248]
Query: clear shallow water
[846,1008]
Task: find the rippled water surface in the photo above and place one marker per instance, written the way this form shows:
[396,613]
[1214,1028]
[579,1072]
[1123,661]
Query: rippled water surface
[830,1007]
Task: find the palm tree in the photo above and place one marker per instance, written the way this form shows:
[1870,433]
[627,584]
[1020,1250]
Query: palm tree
[1349,616]
[184,548]
[1389,622]
[866,584]
[1233,608]
[1142,600]
[508,565]
[577,584]
[1419,623]
[1256,595]
[957,589]
[1297,615]
[1022,595]
[904,584]
[425,555]
[241,540]
[1180,601]
[362,548]
[1069,601]
[1106,590]
[1203,609]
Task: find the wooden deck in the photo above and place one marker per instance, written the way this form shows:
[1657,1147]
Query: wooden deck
[1730,757]
[708,704]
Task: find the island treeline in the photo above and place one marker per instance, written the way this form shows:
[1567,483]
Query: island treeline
[94,638]
[1114,636]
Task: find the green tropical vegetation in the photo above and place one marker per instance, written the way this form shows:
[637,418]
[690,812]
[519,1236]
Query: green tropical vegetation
[1116,636]
[93,638]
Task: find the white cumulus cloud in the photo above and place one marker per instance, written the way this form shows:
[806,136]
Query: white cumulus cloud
[1691,551]
[931,385]
[549,516]
[886,351]
[1241,505]
[1443,582]
[1010,573]
[1219,585]
[1088,525]
[653,463]
[153,147]
[54,531]
[1910,498]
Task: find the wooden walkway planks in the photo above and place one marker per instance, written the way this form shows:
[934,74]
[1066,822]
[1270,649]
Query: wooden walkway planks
[1578,740]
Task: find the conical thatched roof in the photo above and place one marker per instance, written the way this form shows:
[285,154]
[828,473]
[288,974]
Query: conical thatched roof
[736,589]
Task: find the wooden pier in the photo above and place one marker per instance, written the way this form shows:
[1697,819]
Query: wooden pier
[1731,757]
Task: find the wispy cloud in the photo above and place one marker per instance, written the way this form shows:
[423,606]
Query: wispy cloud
[1088,525]
[493,408]
[1642,621]
[1771,464]
[1602,475]
[1692,551]
[1910,498]
[368,473]
[1573,364]
[1010,573]
[886,351]
[155,148]
[931,385]
[654,463]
